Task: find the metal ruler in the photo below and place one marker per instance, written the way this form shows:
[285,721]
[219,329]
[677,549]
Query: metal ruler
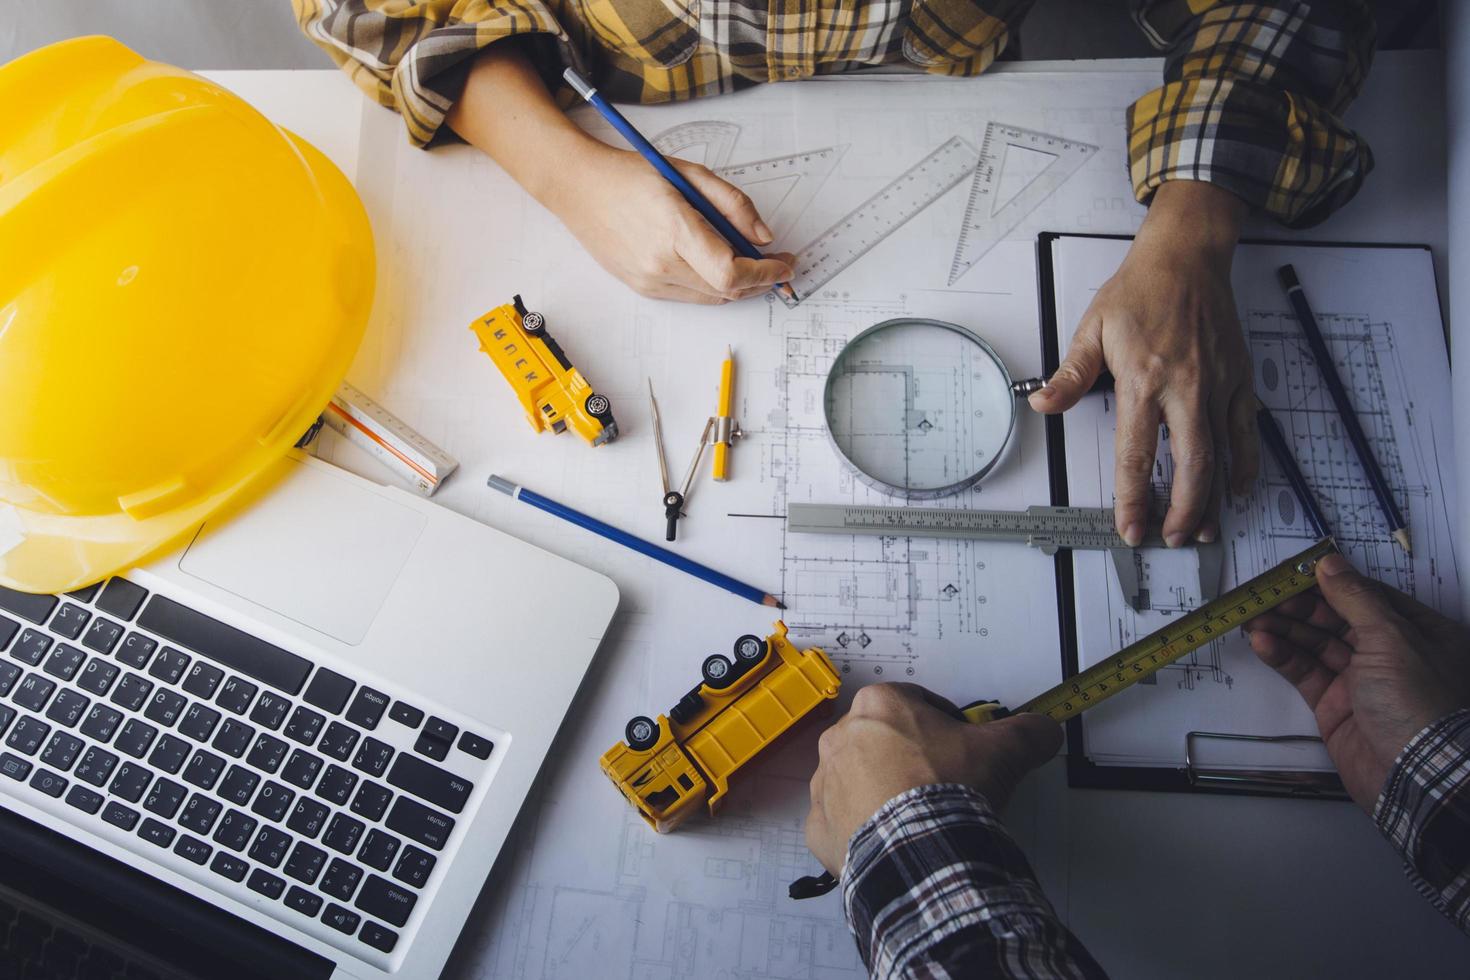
[1164,646]
[1045,528]
[880,216]
[988,219]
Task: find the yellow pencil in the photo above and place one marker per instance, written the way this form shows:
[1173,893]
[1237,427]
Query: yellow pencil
[725,427]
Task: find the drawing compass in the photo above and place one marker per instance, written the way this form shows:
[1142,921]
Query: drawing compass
[674,500]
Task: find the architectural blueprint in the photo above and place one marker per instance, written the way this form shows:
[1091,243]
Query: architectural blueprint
[1378,312]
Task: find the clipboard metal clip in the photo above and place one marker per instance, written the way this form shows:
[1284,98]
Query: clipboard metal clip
[1321,785]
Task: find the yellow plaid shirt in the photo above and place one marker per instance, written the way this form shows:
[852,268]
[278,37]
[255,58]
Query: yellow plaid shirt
[1251,96]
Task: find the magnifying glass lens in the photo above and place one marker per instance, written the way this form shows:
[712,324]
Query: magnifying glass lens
[920,408]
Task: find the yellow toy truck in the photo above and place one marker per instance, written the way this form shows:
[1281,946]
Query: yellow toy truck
[667,768]
[553,393]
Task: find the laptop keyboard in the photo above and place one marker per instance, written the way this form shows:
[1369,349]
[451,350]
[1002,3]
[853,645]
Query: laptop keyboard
[247,768]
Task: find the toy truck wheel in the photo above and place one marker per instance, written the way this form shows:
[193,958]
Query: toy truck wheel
[533,322]
[749,649]
[641,733]
[598,406]
[717,671]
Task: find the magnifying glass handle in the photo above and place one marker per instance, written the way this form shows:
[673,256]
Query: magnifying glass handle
[1030,386]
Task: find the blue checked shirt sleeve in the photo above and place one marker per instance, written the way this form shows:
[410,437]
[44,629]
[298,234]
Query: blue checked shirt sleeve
[935,888]
[1424,811]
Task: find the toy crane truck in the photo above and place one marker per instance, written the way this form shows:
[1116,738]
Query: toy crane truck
[667,768]
[553,393]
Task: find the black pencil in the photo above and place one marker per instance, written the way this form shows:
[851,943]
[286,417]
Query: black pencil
[1397,527]
[1276,443]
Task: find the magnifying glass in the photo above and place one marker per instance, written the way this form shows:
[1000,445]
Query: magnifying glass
[921,408]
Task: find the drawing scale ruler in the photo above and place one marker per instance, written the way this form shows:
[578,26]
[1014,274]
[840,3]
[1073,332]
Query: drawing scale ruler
[880,216]
[783,187]
[988,217]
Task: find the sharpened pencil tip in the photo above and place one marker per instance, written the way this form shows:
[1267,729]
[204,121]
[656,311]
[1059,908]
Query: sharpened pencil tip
[771,600]
[1402,537]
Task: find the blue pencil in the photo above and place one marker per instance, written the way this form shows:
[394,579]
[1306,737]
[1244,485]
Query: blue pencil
[1275,441]
[667,170]
[627,540]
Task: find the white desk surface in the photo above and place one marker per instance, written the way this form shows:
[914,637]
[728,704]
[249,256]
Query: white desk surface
[1160,885]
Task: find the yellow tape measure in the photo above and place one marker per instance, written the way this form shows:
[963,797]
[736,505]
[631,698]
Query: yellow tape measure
[1159,649]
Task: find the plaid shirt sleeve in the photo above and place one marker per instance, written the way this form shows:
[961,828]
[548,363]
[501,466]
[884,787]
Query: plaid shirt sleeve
[1251,101]
[1424,811]
[935,888]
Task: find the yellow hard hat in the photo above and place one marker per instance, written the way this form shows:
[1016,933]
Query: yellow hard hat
[182,289]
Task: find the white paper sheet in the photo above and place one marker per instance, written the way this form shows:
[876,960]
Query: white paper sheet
[1379,313]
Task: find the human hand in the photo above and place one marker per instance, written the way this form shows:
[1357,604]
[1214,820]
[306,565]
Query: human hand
[900,736]
[1374,665]
[1165,325]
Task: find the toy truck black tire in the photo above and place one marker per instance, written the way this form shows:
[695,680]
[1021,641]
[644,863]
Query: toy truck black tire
[599,407]
[750,649]
[717,671]
[641,734]
[533,323]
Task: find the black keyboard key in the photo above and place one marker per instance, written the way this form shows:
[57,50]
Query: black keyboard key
[270,847]
[192,849]
[169,754]
[378,937]
[64,661]
[7,715]
[48,782]
[236,694]
[224,644]
[305,863]
[417,822]
[86,593]
[235,829]
[266,883]
[116,814]
[68,707]
[233,738]
[373,757]
[273,801]
[341,879]
[270,710]
[406,714]
[96,766]
[121,598]
[33,692]
[302,769]
[130,782]
[87,801]
[136,650]
[135,738]
[132,691]
[103,635]
[304,725]
[157,833]
[378,850]
[239,785]
[27,606]
[268,753]
[385,900]
[328,690]
[70,621]
[414,867]
[367,708]
[203,679]
[307,817]
[427,781]
[97,676]
[204,769]
[199,814]
[28,735]
[337,741]
[336,785]
[13,766]
[228,866]
[169,665]
[101,722]
[9,674]
[436,738]
[31,647]
[165,798]
[198,722]
[476,745]
[8,629]
[164,707]
[343,833]
[371,800]
[343,920]
[61,751]
[303,901]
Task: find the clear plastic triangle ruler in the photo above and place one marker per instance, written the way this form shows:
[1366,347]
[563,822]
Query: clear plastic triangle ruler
[1017,170]
[714,137]
[880,216]
[783,187]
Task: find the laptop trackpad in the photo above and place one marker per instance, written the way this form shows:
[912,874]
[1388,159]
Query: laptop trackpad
[321,549]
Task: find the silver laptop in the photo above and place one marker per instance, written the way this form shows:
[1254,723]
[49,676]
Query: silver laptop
[292,748]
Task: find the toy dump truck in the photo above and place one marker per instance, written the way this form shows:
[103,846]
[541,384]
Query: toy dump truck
[667,768]
[553,393]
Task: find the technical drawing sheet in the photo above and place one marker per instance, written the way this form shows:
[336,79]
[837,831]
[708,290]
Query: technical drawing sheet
[1379,313]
